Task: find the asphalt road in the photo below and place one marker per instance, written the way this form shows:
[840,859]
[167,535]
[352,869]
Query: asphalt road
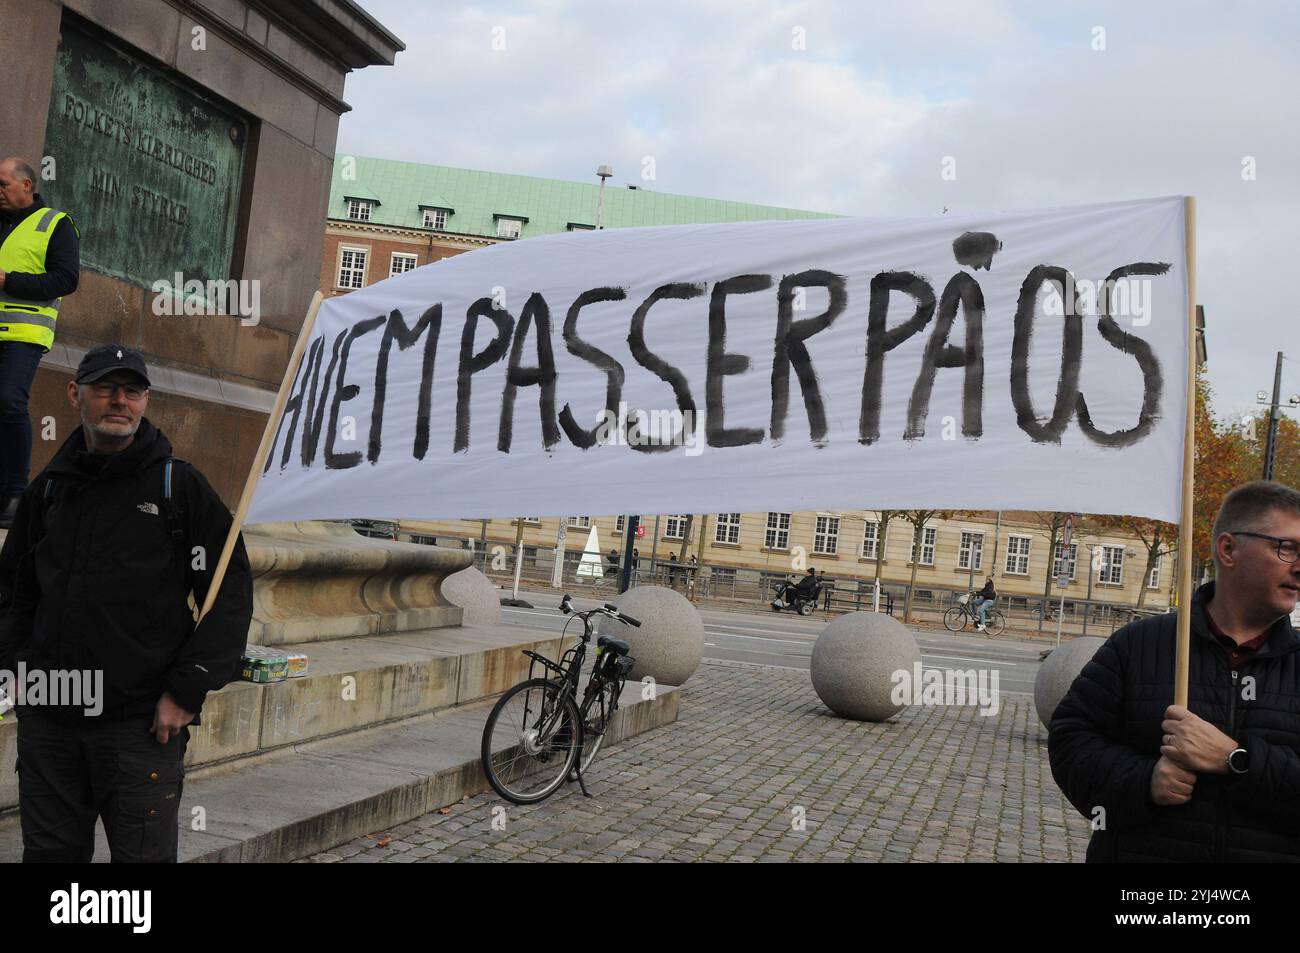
[785,640]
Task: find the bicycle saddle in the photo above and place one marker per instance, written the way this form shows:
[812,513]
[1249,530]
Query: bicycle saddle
[617,646]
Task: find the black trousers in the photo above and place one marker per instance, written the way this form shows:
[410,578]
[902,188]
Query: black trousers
[116,771]
[18,363]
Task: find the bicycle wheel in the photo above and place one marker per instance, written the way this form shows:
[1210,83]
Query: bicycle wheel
[597,712]
[994,622]
[531,741]
[955,618]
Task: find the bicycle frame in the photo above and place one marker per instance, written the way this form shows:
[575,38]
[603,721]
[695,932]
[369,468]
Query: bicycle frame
[568,672]
[558,726]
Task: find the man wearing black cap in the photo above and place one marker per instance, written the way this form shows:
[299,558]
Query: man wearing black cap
[108,542]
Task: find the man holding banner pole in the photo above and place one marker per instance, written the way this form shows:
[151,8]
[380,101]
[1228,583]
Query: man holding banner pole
[1217,779]
[107,545]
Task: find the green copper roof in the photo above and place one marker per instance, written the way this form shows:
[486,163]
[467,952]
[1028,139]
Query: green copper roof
[478,198]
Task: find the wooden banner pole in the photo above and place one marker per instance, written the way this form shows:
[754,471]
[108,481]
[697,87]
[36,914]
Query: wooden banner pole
[1182,658]
[246,498]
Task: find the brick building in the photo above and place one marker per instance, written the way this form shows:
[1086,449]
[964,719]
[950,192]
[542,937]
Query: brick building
[386,217]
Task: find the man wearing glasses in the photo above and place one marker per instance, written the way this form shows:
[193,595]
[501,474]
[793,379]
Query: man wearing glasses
[1220,779]
[108,543]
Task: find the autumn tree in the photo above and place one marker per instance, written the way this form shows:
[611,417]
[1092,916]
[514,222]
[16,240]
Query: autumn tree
[1224,458]
[1158,538]
[1286,459]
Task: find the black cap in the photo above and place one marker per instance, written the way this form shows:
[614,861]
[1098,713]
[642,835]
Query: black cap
[106,358]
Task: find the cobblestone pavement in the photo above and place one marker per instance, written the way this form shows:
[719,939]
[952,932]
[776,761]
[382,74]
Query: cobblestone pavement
[757,769]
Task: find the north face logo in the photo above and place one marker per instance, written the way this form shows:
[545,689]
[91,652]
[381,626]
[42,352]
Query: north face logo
[147,508]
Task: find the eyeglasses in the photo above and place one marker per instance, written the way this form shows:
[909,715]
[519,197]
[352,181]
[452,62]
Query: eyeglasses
[1288,550]
[106,389]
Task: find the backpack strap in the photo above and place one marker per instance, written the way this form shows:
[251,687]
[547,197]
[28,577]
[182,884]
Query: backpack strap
[175,520]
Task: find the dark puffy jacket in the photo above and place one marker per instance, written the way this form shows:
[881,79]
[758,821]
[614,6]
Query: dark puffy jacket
[93,579]
[1105,740]
[806,588]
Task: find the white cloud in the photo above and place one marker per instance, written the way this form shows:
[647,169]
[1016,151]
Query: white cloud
[859,121]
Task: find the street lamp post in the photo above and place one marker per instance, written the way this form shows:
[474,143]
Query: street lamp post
[1274,416]
[603,172]
[1087,608]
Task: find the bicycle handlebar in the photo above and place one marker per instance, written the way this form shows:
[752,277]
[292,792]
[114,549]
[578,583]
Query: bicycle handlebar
[608,609]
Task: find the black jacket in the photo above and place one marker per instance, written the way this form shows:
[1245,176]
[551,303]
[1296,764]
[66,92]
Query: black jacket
[62,258]
[988,592]
[1105,740]
[93,579]
[806,588]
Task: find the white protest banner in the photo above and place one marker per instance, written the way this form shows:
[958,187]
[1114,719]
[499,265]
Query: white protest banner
[1023,360]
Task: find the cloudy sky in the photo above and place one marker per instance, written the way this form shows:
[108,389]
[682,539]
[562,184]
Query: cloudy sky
[852,108]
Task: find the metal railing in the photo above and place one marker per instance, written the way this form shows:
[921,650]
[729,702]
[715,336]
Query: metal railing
[756,588]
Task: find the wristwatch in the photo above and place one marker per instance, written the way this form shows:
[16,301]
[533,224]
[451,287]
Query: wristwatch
[1239,761]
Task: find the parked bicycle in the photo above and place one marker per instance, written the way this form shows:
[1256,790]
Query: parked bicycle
[965,612]
[538,733]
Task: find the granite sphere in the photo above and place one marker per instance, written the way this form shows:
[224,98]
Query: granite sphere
[1058,672]
[475,593]
[670,642]
[854,662]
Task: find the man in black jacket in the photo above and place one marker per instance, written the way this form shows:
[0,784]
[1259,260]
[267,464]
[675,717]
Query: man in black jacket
[1220,779]
[108,543]
[983,599]
[40,262]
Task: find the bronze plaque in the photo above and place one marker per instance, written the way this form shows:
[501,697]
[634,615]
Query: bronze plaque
[147,166]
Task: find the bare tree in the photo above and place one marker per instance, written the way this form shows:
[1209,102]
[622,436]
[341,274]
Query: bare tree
[918,519]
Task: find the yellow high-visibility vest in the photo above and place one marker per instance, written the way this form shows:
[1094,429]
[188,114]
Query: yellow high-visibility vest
[24,251]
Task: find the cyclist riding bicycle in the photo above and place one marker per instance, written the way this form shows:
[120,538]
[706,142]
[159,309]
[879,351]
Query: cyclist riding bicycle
[983,600]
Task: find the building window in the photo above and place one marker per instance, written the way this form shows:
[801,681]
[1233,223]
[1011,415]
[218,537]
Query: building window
[509,227]
[777,535]
[871,540]
[971,554]
[1018,555]
[359,210]
[530,519]
[401,263]
[826,538]
[352,268]
[676,528]
[1112,565]
[435,218]
[727,529]
[1063,564]
[579,227]
[927,546]
[579,522]
[1153,577]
